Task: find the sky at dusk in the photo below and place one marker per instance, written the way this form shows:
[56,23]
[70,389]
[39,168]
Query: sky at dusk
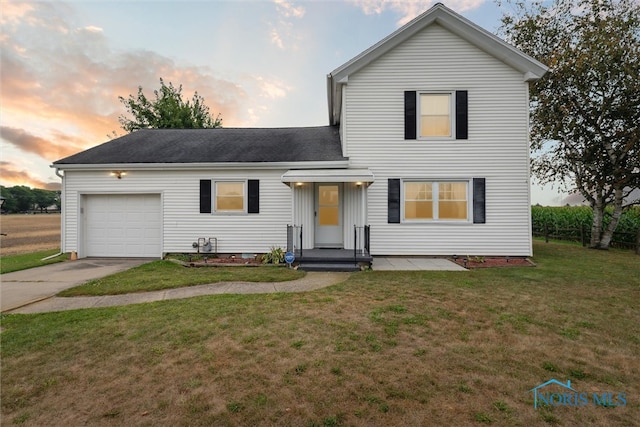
[257,63]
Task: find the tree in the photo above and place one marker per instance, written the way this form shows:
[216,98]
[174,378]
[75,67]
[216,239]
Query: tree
[10,204]
[21,198]
[43,199]
[585,113]
[167,110]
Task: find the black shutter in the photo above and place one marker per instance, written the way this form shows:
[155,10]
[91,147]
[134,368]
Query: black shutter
[393,200]
[479,216]
[253,202]
[410,114]
[462,116]
[205,196]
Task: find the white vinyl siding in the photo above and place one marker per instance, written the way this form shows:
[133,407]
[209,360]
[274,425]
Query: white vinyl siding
[181,219]
[304,212]
[496,148]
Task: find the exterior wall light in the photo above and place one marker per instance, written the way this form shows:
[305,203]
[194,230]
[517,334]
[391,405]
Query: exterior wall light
[118,174]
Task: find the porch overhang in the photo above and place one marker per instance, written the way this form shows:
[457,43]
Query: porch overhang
[363,176]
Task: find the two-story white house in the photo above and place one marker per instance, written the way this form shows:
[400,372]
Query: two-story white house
[426,153]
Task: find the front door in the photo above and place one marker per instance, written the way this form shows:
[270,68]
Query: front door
[328,233]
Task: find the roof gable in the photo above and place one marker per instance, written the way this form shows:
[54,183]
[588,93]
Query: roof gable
[441,15]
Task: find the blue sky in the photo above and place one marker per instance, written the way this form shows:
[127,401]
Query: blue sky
[258,63]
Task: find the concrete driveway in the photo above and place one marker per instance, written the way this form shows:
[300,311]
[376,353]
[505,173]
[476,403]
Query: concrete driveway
[27,286]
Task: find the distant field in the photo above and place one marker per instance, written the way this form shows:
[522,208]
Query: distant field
[29,233]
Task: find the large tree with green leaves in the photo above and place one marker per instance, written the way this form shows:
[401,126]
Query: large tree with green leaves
[585,113]
[21,198]
[167,110]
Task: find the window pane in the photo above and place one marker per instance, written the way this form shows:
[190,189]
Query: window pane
[434,104]
[418,202]
[229,189]
[452,210]
[452,200]
[328,216]
[417,191]
[452,191]
[435,126]
[328,194]
[435,114]
[418,210]
[229,196]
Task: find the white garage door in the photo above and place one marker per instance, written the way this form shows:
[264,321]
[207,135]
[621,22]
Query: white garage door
[122,225]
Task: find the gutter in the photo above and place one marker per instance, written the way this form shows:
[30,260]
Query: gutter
[319,164]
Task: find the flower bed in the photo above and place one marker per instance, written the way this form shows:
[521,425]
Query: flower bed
[488,262]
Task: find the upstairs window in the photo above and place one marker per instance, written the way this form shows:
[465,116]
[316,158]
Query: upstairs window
[435,115]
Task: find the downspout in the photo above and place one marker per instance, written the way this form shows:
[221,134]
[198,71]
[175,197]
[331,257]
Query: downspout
[61,219]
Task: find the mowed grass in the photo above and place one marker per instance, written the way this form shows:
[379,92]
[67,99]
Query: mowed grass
[383,348]
[11,263]
[158,275]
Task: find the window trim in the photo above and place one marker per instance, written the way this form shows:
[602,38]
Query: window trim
[435,189]
[452,115]
[214,196]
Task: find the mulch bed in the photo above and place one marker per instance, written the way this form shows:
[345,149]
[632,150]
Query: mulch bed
[489,262]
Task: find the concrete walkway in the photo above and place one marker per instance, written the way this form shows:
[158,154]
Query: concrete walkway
[311,281]
[27,286]
[414,264]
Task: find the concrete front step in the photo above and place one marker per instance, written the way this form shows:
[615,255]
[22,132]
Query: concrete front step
[319,266]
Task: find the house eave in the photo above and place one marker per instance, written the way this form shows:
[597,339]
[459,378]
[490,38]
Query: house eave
[200,166]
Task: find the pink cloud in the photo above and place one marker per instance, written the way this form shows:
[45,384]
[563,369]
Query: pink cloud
[60,83]
[410,9]
[11,176]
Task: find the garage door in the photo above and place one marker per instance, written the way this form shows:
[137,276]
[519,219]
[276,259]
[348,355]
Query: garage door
[122,225]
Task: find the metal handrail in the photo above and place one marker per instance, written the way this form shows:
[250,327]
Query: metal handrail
[365,236]
[291,242]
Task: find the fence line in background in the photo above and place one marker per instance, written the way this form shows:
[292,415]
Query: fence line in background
[624,240]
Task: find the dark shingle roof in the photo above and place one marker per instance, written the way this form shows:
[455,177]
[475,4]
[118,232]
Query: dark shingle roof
[216,146]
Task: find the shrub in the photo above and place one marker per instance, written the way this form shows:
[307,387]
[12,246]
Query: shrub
[274,256]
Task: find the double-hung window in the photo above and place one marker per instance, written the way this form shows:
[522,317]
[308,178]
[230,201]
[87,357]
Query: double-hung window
[436,200]
[435,115]
[242,196]
[229,196]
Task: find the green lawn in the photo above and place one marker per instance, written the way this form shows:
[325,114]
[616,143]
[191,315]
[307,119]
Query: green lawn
[382,348]
[24,261]
[158,275]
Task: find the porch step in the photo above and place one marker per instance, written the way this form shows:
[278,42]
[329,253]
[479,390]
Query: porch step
[328,266]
